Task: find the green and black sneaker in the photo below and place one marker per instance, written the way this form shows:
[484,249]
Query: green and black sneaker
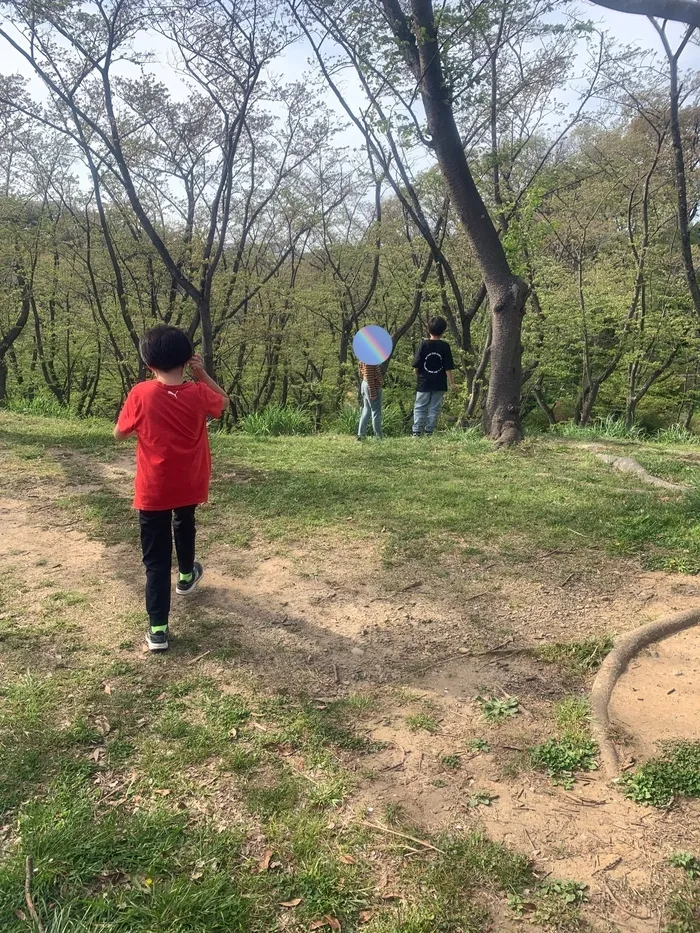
[157,637]
[187,582]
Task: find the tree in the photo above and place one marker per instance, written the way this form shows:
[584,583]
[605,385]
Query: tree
[680,11]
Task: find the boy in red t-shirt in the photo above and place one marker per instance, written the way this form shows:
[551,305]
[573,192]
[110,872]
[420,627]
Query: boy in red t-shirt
[173,465]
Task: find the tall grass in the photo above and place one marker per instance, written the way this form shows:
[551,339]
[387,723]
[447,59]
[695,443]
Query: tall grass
[676,434]
[276,420]
[394,422]
[608,427]
[44,406]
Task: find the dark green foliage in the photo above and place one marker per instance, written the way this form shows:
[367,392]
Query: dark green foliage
[675,773]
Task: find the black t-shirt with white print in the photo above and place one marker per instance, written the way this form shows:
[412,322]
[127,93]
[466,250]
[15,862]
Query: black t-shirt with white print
[432,360]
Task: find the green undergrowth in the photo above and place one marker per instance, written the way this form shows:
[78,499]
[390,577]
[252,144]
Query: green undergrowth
[673,774]
[683,909]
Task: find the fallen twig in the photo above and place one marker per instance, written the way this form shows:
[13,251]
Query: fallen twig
[409,586]
[200,656]
[497,648]
[568,579]
[393,832]
[399,764]
[629,912]
[29,871]
[335,673]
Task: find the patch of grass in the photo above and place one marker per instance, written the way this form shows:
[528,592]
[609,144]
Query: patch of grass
[110,516]
[422,721]
[67,598]
[676,434]
[658,782]
[307,483]
[576,657]
[572,714]
[573,750]
[30,743]
[275,421]
[394,813]
[276,799]
[495,709]
[125,872]
[478,745]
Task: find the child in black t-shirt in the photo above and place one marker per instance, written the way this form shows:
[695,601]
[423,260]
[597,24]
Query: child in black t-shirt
[433,364]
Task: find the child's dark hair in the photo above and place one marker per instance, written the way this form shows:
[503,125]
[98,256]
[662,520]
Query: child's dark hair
[437,326]
[165,347]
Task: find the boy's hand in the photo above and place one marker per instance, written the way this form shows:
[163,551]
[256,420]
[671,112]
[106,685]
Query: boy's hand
[197,366]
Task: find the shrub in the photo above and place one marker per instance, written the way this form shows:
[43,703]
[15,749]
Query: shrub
[277,420]
[45,406]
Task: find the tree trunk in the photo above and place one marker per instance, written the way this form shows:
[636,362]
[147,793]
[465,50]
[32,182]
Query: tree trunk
[506,292]
[679,160]
[7,341]
[547,409]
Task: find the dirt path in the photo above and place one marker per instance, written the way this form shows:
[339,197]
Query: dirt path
[320,620]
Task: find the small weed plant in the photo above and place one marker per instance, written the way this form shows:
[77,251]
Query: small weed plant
[495,709]
[573,750]
[422,721]
[562,758]
[689,863]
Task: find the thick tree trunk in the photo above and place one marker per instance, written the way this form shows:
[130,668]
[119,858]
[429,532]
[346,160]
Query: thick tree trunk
[506,292]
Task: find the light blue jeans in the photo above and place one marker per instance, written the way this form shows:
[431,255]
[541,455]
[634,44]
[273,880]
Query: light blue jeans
[373,407]
[426,412]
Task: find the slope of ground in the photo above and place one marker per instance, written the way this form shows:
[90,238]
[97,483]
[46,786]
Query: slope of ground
[316,722]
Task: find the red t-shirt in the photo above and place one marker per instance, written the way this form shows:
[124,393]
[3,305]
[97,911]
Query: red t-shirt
[173,461]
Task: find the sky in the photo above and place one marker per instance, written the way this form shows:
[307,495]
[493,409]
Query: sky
[625,28]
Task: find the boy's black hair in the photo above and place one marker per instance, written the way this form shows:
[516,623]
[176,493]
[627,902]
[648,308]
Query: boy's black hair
[165,348]
[437,326]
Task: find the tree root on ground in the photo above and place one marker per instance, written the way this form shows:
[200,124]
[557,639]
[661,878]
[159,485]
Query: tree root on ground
[614,666]
[628,465]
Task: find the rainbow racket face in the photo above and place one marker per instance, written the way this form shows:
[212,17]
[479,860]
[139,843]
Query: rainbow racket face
[372,345]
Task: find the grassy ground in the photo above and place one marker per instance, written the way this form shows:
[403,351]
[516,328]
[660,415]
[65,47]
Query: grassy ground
[424,497]
[158,798]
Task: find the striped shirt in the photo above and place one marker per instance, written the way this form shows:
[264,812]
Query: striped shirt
[372,375]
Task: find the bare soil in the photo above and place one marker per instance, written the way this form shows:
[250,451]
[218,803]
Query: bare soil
[326,620]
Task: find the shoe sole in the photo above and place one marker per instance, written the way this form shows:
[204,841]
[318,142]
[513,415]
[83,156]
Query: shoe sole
[180,592]
[157,647]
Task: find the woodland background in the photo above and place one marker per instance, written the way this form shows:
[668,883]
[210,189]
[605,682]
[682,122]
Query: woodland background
[168,170]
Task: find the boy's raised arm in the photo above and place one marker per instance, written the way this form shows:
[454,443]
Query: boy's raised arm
[201,375]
